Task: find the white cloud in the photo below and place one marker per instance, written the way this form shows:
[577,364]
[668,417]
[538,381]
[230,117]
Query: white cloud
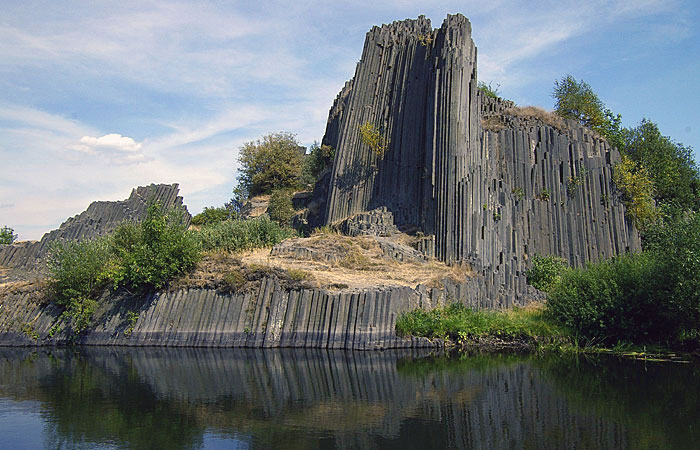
[194,81]
[108,142]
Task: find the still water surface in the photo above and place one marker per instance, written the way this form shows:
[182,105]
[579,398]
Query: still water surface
[313,399]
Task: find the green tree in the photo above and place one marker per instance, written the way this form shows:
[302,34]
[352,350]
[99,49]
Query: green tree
[154,251]
[212,215]
[280,208]
[274,162]
[670,165]
[576,100]
[488,90]
[7,235]
[320,157]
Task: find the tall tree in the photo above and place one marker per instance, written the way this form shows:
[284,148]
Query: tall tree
[273,162]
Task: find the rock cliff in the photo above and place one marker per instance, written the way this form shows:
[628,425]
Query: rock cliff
[477,180]
[99,218]
[493,184]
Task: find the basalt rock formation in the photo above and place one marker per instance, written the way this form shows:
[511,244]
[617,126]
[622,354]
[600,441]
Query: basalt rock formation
[99,218]
[476,180]
[491,196]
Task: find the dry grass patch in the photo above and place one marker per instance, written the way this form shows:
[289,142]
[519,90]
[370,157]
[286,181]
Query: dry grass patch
[357,263]
[534,112]
[493,123]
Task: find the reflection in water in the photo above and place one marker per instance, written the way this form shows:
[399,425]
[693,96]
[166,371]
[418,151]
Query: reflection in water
[294,399]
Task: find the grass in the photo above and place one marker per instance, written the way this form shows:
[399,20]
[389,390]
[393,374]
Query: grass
[459,324]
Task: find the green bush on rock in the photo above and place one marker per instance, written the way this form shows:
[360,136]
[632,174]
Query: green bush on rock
[153,252]
[647,298]
[7,235]
[545,271]
[238,235]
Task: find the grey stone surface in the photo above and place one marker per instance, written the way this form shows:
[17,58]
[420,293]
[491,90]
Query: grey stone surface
[490,197]
[270,317]
[378,222]
[99,218]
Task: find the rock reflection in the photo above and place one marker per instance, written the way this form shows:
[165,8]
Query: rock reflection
[176,398]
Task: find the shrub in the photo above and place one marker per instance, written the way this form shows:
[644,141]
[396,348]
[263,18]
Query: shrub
[77,274]
[425,39]
[298,274]
[372,138]
[7,235]
[457,322]
[545,271]
[280,208]
[668,165]
[234,281]
[213,215]
[576,100]
[518,193]
[637,192]
[78,269]
[275,162]
[487,90]
[155,251]
[620,299]
[675,244]
[238,235]
[320,157]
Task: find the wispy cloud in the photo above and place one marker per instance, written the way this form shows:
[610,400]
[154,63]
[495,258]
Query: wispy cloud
[102,97]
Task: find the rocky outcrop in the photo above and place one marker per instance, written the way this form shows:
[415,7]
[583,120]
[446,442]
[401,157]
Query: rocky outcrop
[99,218]
[416,86]
[267,317]
[490,194]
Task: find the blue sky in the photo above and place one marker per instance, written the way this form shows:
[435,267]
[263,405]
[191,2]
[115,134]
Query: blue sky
[97,97]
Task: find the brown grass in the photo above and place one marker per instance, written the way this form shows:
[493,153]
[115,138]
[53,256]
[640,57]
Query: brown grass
[493,123]
[534,112]
[363,265]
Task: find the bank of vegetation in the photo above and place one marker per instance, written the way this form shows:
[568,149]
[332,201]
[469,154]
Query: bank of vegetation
[145,256]
[645,300]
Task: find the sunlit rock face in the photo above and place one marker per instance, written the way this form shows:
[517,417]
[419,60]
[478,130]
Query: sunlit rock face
[492,183]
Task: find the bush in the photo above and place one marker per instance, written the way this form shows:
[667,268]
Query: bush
[238,235]
[545,271]
[77,274]
[275,162]
[78,269]
[155,251]
[457,322]
[576,100]
[675,245]
[637,192]
[280,208]
[669,166]
[213,215]
[7,236]
[487,90]
[234,281]
[620,299]
[320,157]
[372,138]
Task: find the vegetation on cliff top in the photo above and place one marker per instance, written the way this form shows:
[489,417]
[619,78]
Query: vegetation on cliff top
[144,256]
[656,175]
[7,235]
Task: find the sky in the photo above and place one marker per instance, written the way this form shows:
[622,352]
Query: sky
[98,97]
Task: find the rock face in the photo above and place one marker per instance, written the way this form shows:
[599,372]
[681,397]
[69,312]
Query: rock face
[270,317]
[490,197]
[99,218]
[417,86]
[477,181]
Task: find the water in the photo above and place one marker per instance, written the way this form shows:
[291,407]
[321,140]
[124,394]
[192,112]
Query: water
[313,399]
